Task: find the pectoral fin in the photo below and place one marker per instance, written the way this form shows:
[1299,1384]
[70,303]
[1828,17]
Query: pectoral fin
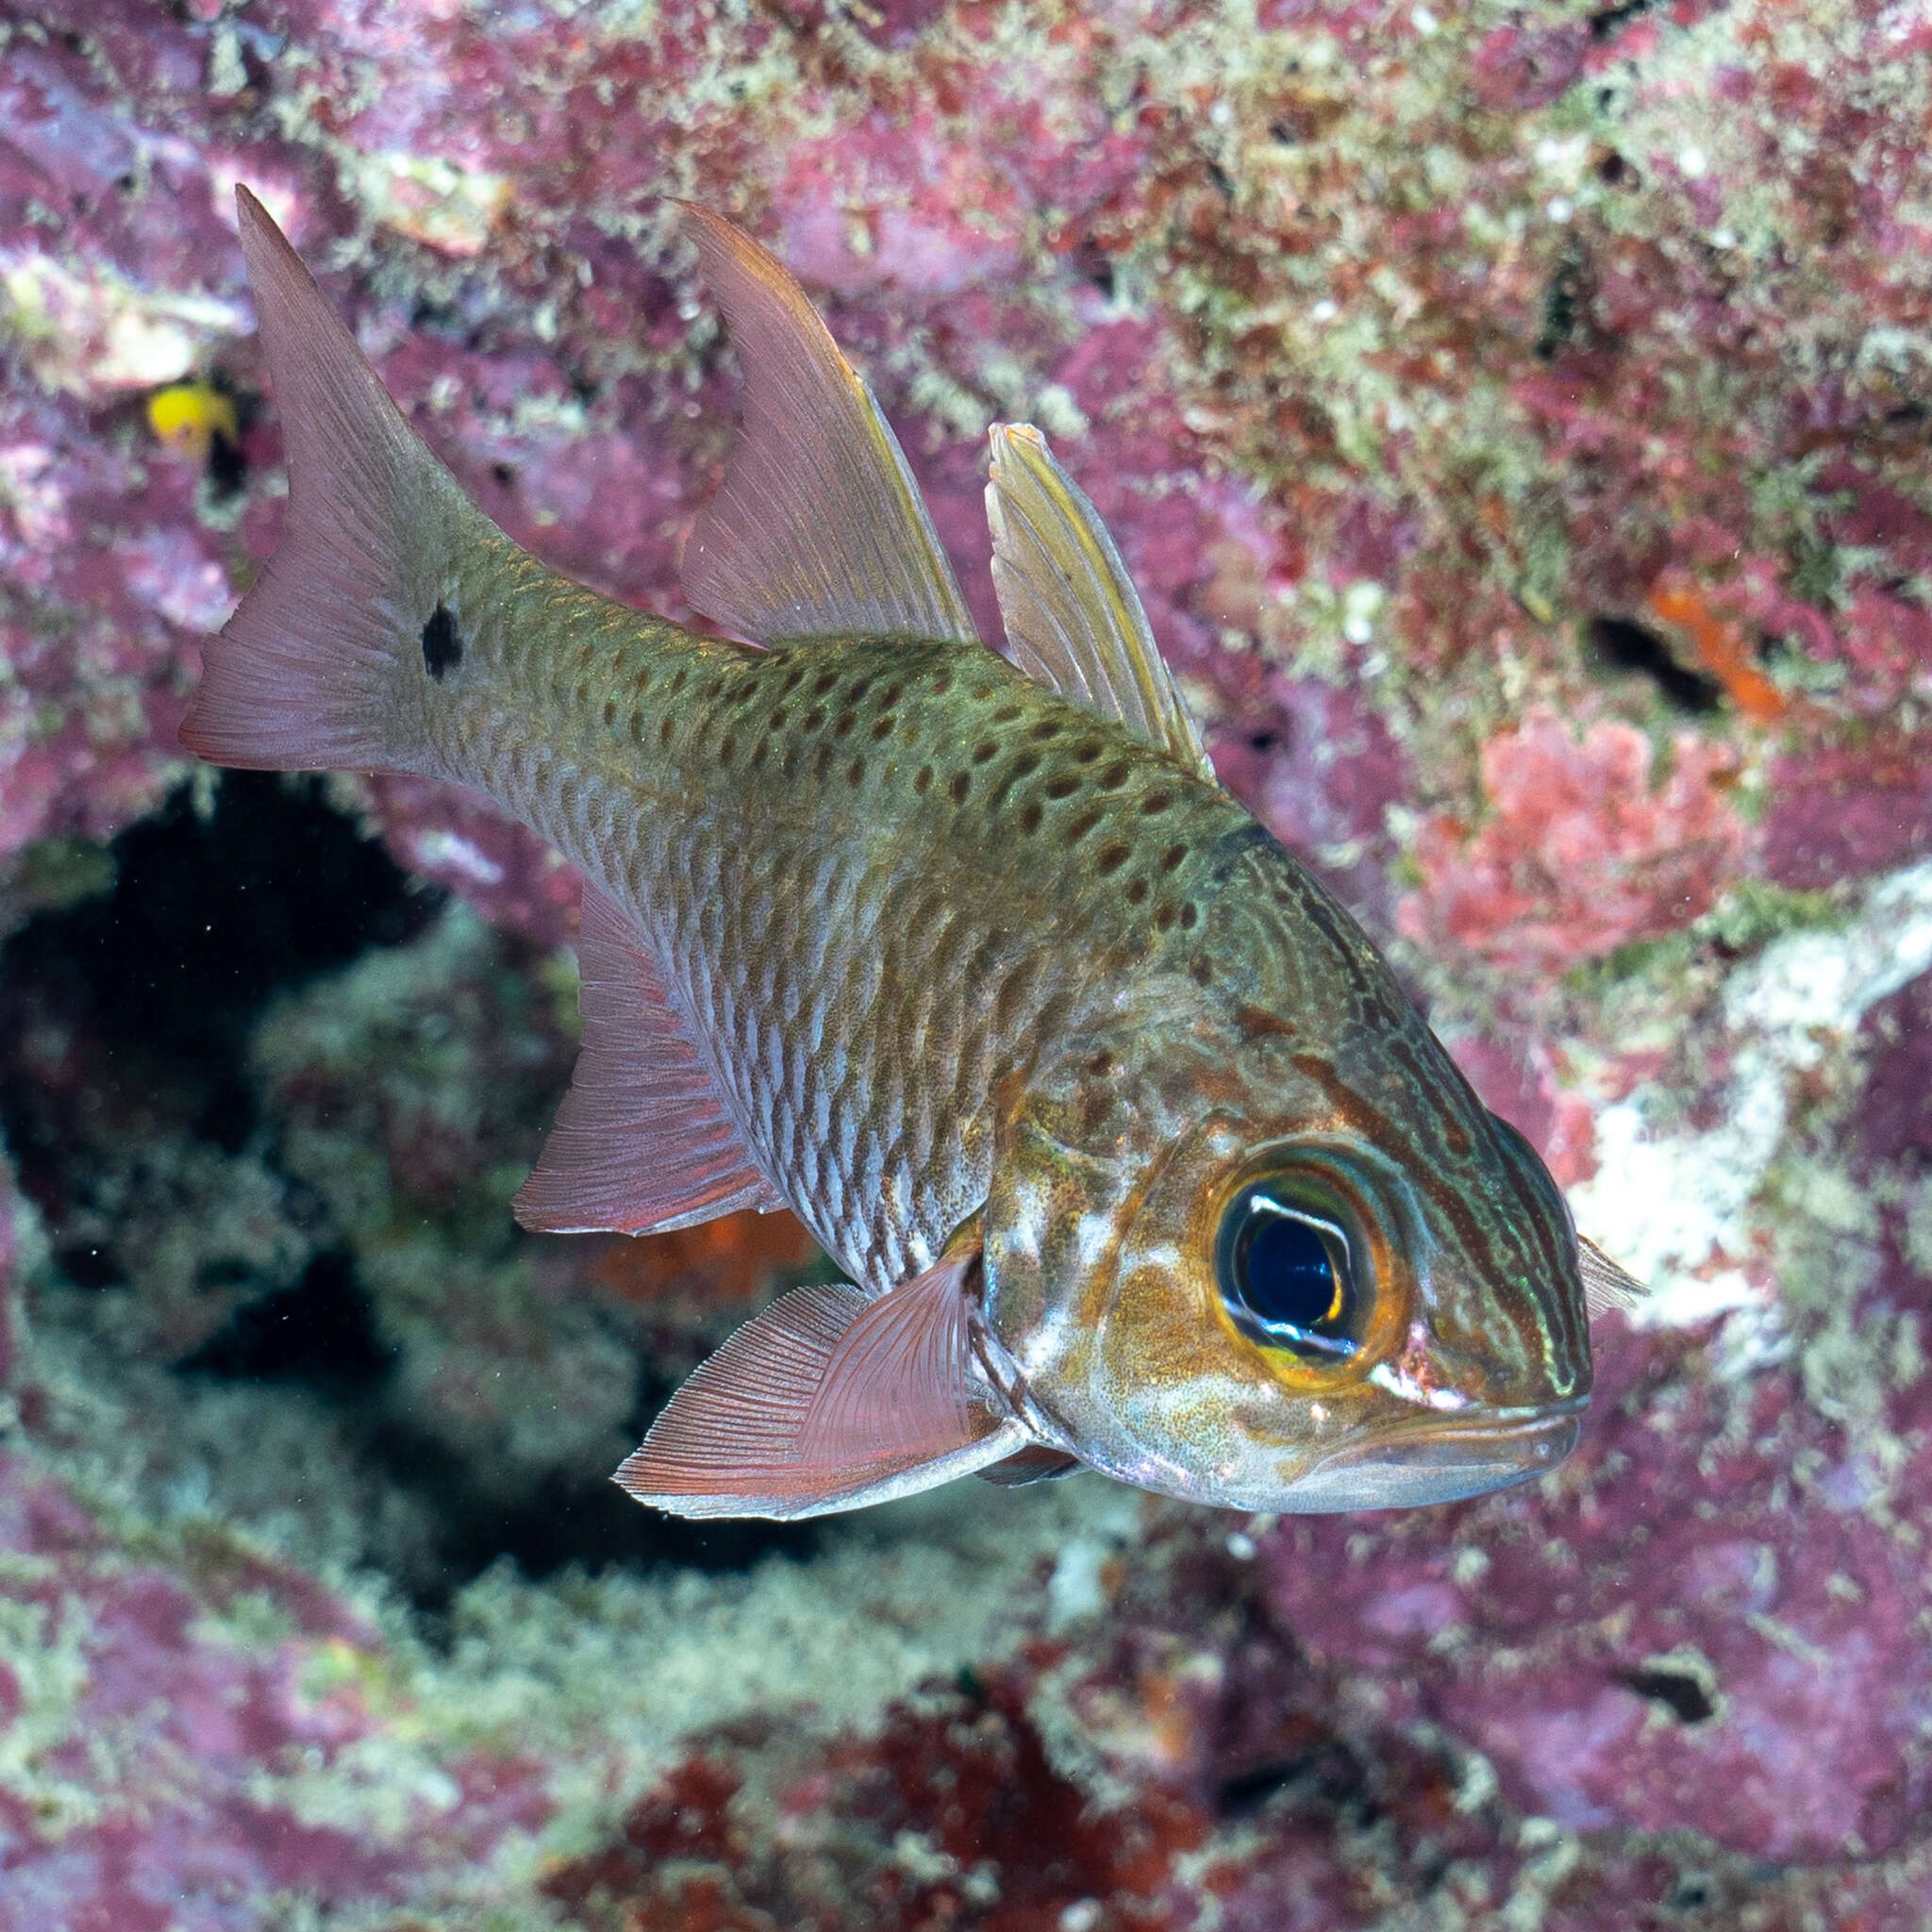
[1604,1285]
[1074,618]
[829,1400]
[644,1141]
[818,529]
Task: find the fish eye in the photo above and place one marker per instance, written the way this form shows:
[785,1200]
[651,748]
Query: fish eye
[1288,1271]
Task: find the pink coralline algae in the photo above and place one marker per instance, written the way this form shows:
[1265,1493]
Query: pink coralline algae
[1584,850]
[1673,1639]
[1516,427]
[155,1781]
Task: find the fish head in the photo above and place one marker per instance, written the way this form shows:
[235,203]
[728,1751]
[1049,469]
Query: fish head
[1239,1278]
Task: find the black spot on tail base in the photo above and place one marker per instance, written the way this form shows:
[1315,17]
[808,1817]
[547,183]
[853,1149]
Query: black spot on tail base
[443,643]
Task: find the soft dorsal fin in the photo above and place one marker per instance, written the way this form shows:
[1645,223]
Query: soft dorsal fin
[829,1400]
[644,1141]
[1073,618]
[818,529]
[1607,1287]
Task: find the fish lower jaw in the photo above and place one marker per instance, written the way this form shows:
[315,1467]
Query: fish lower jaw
[1440,1461]
[1435,1460]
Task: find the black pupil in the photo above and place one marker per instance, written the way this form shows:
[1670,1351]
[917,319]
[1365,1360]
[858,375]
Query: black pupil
[1290,1279]
[1286,1276]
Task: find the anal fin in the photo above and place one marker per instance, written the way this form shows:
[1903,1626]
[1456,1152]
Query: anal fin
[644,1141]
[829,1400]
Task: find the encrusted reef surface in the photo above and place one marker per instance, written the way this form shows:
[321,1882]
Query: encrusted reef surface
[1516,421]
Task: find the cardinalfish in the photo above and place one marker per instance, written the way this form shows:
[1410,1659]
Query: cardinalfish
[1135,1153]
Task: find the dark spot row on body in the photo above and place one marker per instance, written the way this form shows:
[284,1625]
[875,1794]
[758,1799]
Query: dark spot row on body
[1021,769]
[443,643]
[844,704]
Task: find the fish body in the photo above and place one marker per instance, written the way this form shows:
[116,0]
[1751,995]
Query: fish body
[1132,1148]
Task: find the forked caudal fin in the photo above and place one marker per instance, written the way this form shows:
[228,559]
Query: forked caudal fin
[314,670]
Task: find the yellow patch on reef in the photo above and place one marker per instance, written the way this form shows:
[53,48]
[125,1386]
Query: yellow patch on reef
[188,416]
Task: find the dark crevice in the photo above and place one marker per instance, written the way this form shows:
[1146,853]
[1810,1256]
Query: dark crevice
[87,1265]
[322,1332]
[564,1519]
[1608,22]
[1679,1691]
[210,917]
[1692,1892]
[158,981]
[228,468]
[1628,647]
[1328,1778]
[1563,308]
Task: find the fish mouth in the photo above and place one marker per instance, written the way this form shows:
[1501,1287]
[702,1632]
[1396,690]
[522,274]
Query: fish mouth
[1440,1462]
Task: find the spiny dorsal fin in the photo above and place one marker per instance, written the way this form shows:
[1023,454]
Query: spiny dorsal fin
[1604,1285]
[643,1141]
[818,529]
[1074,618]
